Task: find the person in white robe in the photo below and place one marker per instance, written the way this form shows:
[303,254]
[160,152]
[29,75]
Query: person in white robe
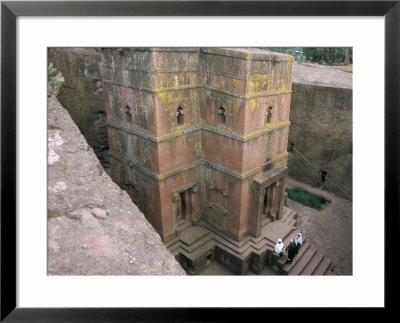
[299,240]
[279,247]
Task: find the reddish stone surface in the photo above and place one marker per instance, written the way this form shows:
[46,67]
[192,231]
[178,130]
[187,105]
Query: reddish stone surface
[189,130]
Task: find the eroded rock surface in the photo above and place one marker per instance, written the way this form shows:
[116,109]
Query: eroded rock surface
[82,93]
[93,226]
[322,75]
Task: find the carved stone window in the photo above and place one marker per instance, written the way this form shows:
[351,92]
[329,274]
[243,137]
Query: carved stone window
[269,115]
[221,115]
[291,147]
[180,116]
[322,178]
[183,206]
[183,199]
[212,186]
[127,114]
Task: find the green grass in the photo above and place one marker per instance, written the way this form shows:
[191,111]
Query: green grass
[306,198]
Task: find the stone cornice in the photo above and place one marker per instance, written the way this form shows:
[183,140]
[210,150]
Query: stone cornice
[200,162]
[194,87]
[140,133]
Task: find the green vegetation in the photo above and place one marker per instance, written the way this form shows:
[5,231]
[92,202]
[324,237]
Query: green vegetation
[330,56]
[55,79]
[306,198]
[296,52]
[322,55]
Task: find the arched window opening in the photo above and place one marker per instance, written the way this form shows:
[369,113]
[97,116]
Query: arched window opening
[322,178]
[105,152]
[127,114]
[269,115]
[221,115]
[179,116]
[291,147]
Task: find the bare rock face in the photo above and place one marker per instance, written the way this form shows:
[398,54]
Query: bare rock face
[93,226]
[322,75]
[321,111]
[82,94]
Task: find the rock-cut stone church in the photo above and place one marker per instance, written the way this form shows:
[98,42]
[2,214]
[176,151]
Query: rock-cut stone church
[198,138]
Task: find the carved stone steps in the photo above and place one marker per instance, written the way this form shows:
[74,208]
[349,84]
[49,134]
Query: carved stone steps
[197,246]
[312,265]
[181,247]
[286,267]
[303,262]
[323,267]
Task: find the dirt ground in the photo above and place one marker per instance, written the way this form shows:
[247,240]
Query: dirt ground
[330,230]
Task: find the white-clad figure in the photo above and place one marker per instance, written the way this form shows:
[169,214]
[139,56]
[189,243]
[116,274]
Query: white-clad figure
[279,247]
[299,240]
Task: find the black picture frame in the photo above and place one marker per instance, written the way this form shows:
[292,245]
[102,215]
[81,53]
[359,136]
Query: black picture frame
[10,10]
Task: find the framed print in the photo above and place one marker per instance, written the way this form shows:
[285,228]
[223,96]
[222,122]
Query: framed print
[29,28]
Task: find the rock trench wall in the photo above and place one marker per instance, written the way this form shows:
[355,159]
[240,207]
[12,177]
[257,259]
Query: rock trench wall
[82,94]
[321,131]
